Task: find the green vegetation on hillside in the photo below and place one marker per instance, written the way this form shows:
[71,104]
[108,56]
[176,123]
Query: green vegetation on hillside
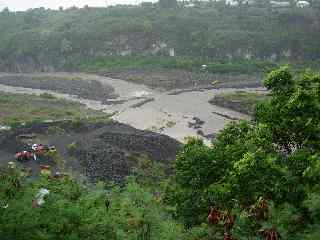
[21,108]
[260,180]
[153,63]
[209,33]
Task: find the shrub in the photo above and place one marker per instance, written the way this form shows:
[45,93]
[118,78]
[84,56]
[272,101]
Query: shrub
[72,148]
[47,96]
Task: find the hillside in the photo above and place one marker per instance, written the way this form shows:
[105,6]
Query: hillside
[121,38]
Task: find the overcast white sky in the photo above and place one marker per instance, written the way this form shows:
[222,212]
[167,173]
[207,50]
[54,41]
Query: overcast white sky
[18,5]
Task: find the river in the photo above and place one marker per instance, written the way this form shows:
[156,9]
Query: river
[173,114]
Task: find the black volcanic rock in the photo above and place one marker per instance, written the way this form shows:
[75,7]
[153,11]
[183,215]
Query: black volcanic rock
[104,151]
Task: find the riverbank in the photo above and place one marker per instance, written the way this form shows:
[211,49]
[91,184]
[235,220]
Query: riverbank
[170,79]
[241,101]
[20,108]
[168,113]
[72,84]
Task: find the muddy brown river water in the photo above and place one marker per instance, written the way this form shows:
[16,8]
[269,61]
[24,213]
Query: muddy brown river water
[175,115]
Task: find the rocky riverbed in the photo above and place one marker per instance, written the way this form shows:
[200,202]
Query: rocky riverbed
[71,84]
[167,112]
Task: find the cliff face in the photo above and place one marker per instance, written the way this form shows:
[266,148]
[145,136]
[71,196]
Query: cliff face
[44,60]
[27,63]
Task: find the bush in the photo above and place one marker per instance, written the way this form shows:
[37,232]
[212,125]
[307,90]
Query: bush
[72,148]
[71,211]
[47,96]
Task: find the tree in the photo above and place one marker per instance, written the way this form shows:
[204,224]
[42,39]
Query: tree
[293,113]
[276,159]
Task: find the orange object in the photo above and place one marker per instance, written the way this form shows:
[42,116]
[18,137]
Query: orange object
[45,170]
[45,167]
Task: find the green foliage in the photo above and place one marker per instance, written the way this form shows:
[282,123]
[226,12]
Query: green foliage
[279,81]
[265,173]
[23,108]
[276,159]
[103,118]
[241,101]
[293,113]
[78,124]
[312,203]
[72,148]
[71,211]
[261,171]
[10,184]
[90,38]
[194,164]
[149,173]
[111,64]
[47,96]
